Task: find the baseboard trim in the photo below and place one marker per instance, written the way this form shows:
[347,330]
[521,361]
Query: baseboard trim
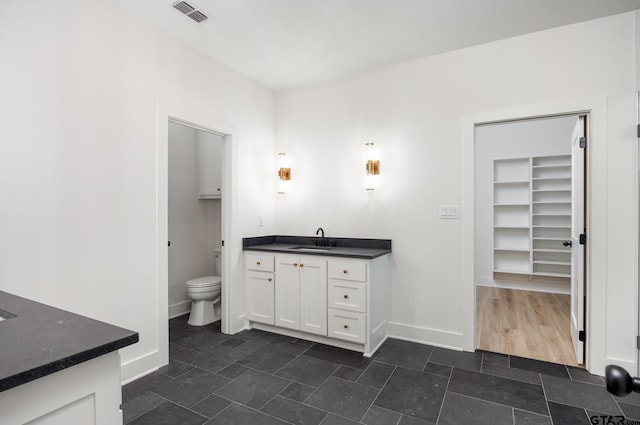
[373,350]
[309,337]
[423,335]
[140,366]
[525,285]
[179,309]
[629,365]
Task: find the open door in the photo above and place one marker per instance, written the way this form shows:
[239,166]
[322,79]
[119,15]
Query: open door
[577,242]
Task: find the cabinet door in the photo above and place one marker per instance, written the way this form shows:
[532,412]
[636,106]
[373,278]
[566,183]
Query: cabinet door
[288,292]
[313,296]
[209,165]
[260,297]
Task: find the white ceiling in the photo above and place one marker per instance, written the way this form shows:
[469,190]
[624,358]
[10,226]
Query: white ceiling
[287,43]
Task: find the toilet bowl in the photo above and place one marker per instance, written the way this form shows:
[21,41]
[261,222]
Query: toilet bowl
[204,293]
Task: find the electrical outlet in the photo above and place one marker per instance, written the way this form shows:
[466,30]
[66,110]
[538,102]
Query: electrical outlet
[450,211]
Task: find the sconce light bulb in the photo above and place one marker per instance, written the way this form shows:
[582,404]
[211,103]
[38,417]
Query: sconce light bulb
[284,174]
[372,166]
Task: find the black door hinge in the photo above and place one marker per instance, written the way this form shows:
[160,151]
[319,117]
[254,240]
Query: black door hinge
[582,336]
[583,142]
[222,243]
[169,243]
[583,238]
[638,342]
[638,130]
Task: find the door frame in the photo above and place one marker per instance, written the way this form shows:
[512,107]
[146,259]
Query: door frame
[596,193]
[638,237]
[579,156]
[199,120]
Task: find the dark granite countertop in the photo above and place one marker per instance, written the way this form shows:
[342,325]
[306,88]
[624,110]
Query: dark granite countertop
[331,247]
[37,340]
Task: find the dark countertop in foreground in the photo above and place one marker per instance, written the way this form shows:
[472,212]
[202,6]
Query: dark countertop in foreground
[339,247]
[37,340]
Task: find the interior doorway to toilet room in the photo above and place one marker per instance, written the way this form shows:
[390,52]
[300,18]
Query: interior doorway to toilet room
[529,202]
[194,210]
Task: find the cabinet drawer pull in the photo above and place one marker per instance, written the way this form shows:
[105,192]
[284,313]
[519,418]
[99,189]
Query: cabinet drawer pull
[301,265]
[345,271]
[345,326]
[269,279]
[258,263]
[295,264]
[218,189]
[346,297]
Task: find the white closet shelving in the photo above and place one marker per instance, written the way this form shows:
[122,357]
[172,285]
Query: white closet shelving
[532,215]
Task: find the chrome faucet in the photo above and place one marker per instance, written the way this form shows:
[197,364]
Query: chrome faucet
[320,230]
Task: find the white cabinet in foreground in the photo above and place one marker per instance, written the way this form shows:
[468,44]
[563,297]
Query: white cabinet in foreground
[332,300]
[87,393]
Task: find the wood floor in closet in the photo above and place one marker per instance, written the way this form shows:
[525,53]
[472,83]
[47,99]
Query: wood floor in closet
[528,324]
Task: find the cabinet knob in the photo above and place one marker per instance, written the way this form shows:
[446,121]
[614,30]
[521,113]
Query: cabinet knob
[269,279]
[346,297]
[218,189]
[301,265]
[345,326]
[295,264]
[345,271]
[258,262]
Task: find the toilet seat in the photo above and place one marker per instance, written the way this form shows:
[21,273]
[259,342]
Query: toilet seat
[205,282]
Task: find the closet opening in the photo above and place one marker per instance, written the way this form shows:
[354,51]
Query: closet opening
[530,237]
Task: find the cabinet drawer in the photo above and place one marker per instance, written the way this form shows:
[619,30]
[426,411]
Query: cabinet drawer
[347,325]
[347,295]
[258,262]
[347,270]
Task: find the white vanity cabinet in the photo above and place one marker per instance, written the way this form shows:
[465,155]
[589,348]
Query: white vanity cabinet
[260,288]
[333,300]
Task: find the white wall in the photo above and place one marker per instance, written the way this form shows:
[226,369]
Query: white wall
[517,139]
[194,224]
[414,111]
[80,81]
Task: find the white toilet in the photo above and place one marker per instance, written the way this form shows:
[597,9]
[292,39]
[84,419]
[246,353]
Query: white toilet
[204,293]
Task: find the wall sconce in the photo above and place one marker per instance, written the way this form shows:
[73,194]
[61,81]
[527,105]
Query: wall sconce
[284,173]
[372,166]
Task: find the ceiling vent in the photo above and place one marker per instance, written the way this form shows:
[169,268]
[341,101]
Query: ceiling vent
[190,11]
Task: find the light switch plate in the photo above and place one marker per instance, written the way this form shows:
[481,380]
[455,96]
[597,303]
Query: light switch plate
[260,221]
[450,211]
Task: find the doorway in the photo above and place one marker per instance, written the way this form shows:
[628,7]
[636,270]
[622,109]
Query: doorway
[194,211]
[231,318]
[529,255]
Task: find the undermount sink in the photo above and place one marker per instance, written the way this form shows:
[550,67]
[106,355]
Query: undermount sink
[312,248]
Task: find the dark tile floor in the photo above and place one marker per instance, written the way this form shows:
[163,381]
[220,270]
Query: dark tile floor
[258,378]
